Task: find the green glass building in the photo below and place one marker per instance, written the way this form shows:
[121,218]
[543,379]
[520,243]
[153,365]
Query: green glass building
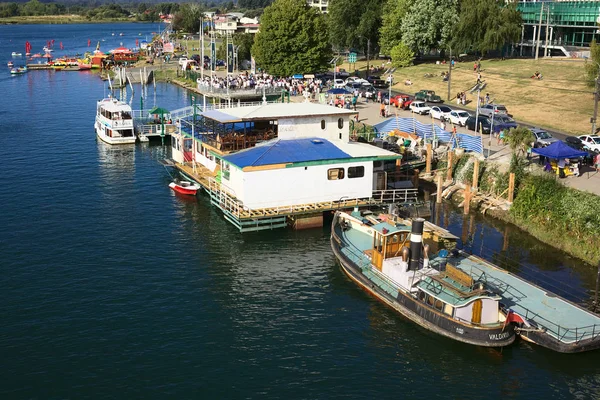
[571,24]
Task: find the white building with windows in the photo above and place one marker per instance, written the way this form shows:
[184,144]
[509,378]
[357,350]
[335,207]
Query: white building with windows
[280,154]
[322,5]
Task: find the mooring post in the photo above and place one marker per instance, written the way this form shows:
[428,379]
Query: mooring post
[596,295]
[467,201]
[428,162]
[475,174]
[438,198]
[511,187]
[449,170]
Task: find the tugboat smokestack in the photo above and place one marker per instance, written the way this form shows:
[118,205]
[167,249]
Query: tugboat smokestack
[416,241]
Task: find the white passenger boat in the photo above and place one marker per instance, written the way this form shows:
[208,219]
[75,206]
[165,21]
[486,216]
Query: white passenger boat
[114,122]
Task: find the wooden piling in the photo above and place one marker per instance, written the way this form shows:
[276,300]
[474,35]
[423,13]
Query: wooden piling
[450,161]
[475,173]
[428,162]
[511,187]
[415,179]
[467,201]
[438,198]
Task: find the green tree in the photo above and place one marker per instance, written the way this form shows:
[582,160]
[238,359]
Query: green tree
[429,23]
[355,23]
[187,18]
[591,67]
[402,55]
[243,42]
[486,25]
[519,139]
[292,39]
[390,32]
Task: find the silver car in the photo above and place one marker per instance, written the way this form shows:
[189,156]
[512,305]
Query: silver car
[542,138]
[490,109]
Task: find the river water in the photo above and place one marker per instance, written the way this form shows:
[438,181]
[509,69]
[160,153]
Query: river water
[113,287]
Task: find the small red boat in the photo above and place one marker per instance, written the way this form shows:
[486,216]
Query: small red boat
[184,187]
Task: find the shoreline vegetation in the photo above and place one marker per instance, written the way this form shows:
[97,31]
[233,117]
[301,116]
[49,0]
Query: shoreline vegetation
[61,19]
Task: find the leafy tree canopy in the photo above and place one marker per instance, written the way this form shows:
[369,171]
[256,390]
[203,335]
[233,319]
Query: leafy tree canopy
[187,19]
[390,32]
[486,25]
[291,39]
[355,23]
[402,55]
[591,66]
[429,23]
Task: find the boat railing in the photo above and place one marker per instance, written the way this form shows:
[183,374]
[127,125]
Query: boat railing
[396,195]
[563,334]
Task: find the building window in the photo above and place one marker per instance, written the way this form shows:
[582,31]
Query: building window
[323,124]
[341,123]
[334,174]
[377,164]
[356,172]
[340,135]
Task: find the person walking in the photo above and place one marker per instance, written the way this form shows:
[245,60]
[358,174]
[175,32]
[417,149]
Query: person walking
[443,125]
[382,110]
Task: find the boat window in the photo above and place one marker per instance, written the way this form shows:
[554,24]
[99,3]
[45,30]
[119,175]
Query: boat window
[341,123]
[439,305]
[421,296]
[323,124]
[430,300]
[335,174]
[356,172]
[377,164]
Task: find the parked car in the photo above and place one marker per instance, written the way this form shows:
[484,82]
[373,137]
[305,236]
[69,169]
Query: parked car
[353,79]
[575,143]
[482,123]
[377,82]
[401,101]
[542,138]
[338,83]
[419,107]
[505,121]
[458,117]
[490,109]
[591,142]
[352,86]
[428,95]
[366,87]
[440,112]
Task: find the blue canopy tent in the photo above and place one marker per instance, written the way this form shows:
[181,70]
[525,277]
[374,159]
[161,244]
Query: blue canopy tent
[298,76]
[559,150]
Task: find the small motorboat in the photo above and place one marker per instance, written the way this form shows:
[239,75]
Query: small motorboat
[184,187]
[18,70]
[10,64]
[15,54]
[121,34]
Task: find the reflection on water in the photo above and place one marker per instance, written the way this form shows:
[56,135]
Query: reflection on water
[518,252]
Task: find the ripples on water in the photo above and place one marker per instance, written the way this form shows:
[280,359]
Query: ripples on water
[113,286]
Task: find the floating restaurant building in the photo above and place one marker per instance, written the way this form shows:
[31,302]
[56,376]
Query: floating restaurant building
[266,166]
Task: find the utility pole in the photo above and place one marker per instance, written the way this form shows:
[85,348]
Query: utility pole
[202,47]
[595,103]
[368,53]
[547,29]
[539,31]
[449,73]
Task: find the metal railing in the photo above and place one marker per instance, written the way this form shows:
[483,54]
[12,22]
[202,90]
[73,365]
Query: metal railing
[395,195]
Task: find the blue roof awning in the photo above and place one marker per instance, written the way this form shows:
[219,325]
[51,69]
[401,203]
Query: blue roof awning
[280,151]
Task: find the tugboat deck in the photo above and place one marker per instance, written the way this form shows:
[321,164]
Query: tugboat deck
[560,318]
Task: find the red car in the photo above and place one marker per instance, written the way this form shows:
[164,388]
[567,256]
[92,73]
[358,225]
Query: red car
[401,101]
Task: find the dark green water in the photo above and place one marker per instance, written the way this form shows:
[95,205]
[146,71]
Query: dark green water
[113,287]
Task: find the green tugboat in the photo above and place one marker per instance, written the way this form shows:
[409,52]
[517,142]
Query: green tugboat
[454,293]
[389,260]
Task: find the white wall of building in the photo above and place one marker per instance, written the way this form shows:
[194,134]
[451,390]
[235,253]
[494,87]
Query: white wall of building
[291,128]
[299,185]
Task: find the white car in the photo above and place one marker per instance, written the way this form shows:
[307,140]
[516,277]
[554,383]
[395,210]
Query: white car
[440,112]
[592,142]
[419,107]
[356,79]
[458,117]
[338,83]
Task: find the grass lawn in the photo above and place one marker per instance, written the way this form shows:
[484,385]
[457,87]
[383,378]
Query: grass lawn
[561,100]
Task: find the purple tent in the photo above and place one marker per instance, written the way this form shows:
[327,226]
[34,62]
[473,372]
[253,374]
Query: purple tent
[559,150]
